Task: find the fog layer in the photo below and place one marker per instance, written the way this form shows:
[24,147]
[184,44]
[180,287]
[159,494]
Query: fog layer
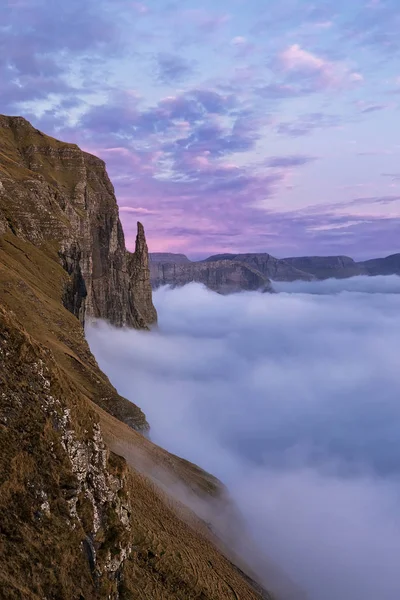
[293,400]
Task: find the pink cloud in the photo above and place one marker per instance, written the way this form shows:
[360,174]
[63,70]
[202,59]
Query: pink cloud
[298,61]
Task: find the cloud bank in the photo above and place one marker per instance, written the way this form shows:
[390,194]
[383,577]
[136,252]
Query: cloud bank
[293,401]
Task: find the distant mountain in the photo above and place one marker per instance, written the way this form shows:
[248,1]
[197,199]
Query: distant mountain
[223,276]
[324,267]
[228,273]
[273,268]
[383,266]
[168,257]
[341,267]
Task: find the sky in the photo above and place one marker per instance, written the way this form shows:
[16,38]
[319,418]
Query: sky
[228,125]
[292,400]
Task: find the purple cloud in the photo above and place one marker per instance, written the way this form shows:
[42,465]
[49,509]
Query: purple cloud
[308,123]
[172,68]
[374,108]
[290,161]
[274,91]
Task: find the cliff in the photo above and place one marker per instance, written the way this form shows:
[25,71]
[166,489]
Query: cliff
[83,509]
[222,276]
[53,194]
[271,267]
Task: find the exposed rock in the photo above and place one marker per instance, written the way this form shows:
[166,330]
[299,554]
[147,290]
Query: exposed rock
[139,274]
[223,276]
[54,193]
[324,267]
[61,489]
[273,268]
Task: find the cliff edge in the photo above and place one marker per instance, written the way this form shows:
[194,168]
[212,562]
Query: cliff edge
[60,198]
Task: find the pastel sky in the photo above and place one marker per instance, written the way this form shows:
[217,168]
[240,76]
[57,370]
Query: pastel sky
[226,125]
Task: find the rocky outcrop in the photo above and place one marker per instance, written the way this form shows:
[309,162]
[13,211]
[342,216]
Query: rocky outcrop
[273,268]
[63,496]
[55,194]
[324,267]
[77,520]
[223,276]
[139,278]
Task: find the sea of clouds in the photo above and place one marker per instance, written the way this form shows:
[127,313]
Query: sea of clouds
[293,400]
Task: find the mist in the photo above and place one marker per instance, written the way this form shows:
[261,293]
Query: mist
[293,401]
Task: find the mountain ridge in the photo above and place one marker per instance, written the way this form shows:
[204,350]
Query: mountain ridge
[165,269]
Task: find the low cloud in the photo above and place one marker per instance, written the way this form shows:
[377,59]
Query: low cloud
[363,284]
[292,400]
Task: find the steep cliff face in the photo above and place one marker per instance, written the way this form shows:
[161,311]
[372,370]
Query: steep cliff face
[53,193]
[273,268]
[223,276]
